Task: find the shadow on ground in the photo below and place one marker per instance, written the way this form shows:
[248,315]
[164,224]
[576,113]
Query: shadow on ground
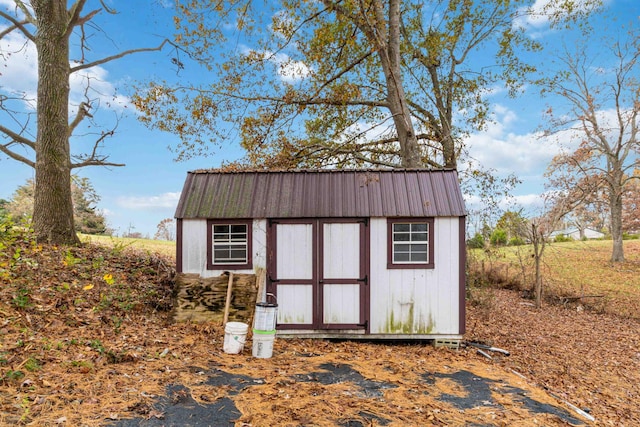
[178,408]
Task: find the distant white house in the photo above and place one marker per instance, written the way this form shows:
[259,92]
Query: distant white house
[574,234]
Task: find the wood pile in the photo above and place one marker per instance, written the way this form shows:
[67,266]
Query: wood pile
[203,299]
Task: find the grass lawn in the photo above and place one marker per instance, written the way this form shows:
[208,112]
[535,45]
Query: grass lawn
[164,247]
[574,269]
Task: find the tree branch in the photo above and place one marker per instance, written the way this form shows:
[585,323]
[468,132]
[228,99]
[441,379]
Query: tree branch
[74,16]
[16,156]
[16,24]
[95,162]
[94,159]
[120,55]
[17,137]
[83,111]
[342,72]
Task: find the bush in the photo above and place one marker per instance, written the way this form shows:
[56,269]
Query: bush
[627,236]
[498,237]
[516,241]
[562,238]
[477,242]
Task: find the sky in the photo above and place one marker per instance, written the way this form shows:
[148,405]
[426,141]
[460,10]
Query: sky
[136,197]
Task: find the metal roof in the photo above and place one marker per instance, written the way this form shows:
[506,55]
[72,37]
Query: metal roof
[321,194]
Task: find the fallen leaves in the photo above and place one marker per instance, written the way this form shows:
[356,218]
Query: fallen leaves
[106,350]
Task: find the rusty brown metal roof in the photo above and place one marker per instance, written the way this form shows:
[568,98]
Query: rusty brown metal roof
[321,194]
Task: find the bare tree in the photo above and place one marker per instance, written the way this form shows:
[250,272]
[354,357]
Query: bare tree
[603,95]
[538,230]
[50,25]
[166,230]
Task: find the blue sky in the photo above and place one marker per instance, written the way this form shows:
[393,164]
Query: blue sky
[138,196]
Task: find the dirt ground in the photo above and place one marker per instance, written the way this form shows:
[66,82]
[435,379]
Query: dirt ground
[354,384]
[86,340]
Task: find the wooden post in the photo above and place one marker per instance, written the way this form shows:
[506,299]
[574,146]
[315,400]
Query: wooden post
[228,301]
[261,280]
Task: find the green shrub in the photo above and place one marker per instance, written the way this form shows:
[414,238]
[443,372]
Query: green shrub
[562,238]
[477,242]
[516,241]
[498,237]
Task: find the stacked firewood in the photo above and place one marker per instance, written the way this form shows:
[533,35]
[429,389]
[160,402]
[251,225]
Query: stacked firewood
[203,299]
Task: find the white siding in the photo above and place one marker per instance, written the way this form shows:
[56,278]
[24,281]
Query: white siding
[416,301]
[194,247]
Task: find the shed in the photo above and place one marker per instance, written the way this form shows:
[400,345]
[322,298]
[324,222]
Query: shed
[347,253]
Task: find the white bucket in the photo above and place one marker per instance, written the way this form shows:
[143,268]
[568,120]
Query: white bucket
[265,319]
[263,343]
[235,335]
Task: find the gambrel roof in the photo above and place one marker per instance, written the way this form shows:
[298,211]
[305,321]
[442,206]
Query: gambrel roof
[321,194]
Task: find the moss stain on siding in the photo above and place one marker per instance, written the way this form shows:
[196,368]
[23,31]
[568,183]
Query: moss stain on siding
[410,326]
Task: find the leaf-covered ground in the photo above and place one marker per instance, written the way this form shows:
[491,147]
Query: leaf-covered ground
[86,340]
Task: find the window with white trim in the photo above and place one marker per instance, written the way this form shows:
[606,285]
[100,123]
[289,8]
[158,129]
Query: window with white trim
[229,244]
[411,243]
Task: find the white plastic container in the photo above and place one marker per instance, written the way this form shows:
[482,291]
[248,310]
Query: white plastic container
[235,336]
[265,319]
[263,343]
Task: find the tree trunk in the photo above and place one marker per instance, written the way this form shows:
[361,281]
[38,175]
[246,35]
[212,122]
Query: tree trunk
[615,203]
[537,238]
[53,205]
[389,52]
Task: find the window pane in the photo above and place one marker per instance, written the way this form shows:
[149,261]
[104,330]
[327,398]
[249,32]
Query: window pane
[239,254]
[237,237]
[419,257]
[419,227]
[401,227]
[220,254]
[401,237]
[239,228]
[402,248]
[419,237]
[419,248]
[220,229]
[401,257]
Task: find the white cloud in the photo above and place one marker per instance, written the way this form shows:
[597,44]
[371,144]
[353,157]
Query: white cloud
[536,19]
[19,76]
[507,152]
[288,69]
[162,201]
[528,202]
[101,91]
